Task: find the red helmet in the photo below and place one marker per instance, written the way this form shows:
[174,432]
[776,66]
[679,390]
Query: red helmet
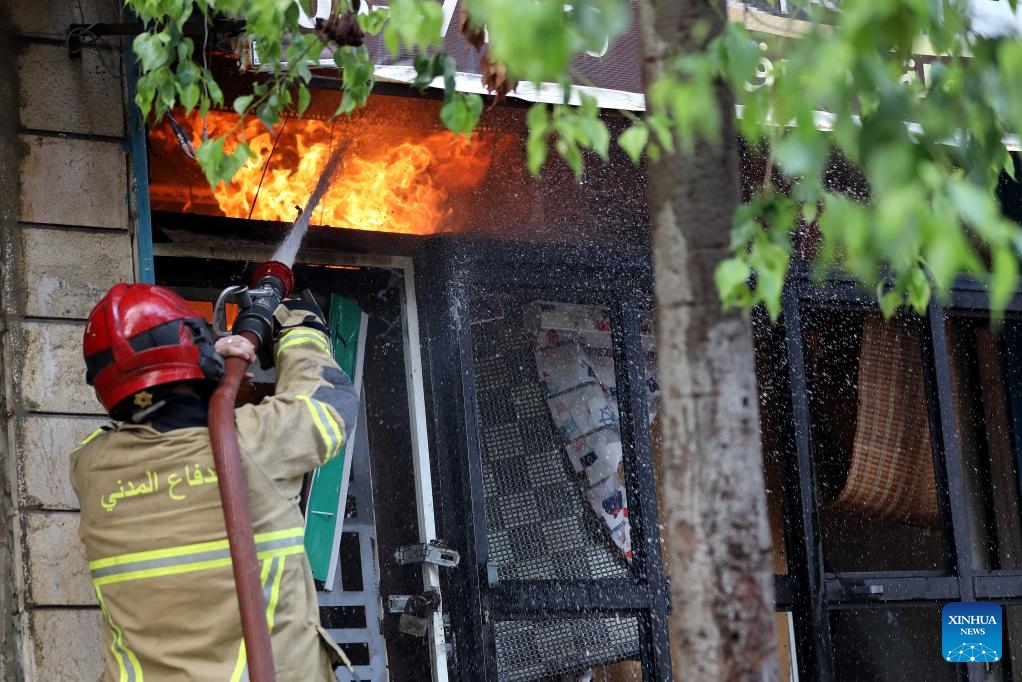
[140,336]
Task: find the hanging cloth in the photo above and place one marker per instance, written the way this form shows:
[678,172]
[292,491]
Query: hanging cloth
[890,478]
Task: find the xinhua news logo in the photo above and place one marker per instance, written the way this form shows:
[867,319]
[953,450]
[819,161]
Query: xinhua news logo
[971,632]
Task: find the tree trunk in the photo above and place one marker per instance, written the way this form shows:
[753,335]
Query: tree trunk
[715,504]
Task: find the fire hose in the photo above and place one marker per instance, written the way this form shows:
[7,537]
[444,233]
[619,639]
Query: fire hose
[270,285]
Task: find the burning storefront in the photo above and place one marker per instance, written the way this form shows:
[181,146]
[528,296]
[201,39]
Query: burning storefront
[500,499]
[499,520]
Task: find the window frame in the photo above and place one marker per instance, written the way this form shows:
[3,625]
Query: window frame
[809,591]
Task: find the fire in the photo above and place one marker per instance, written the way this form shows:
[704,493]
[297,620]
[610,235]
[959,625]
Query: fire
[398,183]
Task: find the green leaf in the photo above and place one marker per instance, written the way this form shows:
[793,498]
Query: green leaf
[189,96]
[461,112]
[809,191]
[215,93]
[184,51]
[145,92]
[152,50]
[426,69]
[210,156]
[800,155]
[634,140]
[538,118]
[732,277]
[588,108]
[304,97]
[973,205]
[653,152]
[302,71]
[537,150]
[571,154]
[808,213]
[661,125]
[392,39]
[242,103]
[415,24]
[348,104]
[1004,273]
[918,290]
[233,162]
[889,302]
[537,147]
[448,67]
[595,132]
[373,22]
[188,73]
[269,111]
[166,89]
[769,260]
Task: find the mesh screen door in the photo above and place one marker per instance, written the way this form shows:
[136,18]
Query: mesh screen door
[539,524]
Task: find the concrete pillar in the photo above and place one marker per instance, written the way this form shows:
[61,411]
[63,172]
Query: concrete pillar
[66,231]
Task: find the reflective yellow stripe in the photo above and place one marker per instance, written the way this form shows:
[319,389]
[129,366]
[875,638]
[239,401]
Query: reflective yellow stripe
[185,550]
[241,664]
[131,671]
[333,436]
[90,437]
[336,429]
[189,568]
[190,558]
[271,603]
[182,551]
[303,335]
[242,661]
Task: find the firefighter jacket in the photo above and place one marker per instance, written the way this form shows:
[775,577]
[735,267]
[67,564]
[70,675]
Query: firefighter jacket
[153,530]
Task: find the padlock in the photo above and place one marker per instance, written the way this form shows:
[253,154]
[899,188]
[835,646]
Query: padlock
[418,612]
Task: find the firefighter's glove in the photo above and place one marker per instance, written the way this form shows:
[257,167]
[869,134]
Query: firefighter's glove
[299,312]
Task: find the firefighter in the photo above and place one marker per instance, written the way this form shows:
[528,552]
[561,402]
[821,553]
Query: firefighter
[151,519]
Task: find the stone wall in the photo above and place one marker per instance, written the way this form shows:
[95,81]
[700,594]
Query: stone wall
[66,229]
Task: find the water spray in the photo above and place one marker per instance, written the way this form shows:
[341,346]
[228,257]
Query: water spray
[271,284]
[288,249]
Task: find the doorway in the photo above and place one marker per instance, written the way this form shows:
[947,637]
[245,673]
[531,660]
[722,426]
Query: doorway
[388,499]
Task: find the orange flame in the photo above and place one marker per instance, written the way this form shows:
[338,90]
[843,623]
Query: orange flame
[402,184]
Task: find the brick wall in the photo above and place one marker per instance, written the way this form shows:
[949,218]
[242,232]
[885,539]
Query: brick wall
[66,230]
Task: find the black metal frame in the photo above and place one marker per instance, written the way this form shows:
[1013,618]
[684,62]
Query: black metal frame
[809,591]
[454,270]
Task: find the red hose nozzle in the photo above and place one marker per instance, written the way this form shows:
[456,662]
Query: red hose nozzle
[277,270]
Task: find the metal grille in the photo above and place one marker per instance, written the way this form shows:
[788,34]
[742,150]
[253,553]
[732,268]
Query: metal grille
[531,650]
[538,525]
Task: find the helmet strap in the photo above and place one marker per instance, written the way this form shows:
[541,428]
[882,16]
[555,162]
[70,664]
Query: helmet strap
[210,362]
